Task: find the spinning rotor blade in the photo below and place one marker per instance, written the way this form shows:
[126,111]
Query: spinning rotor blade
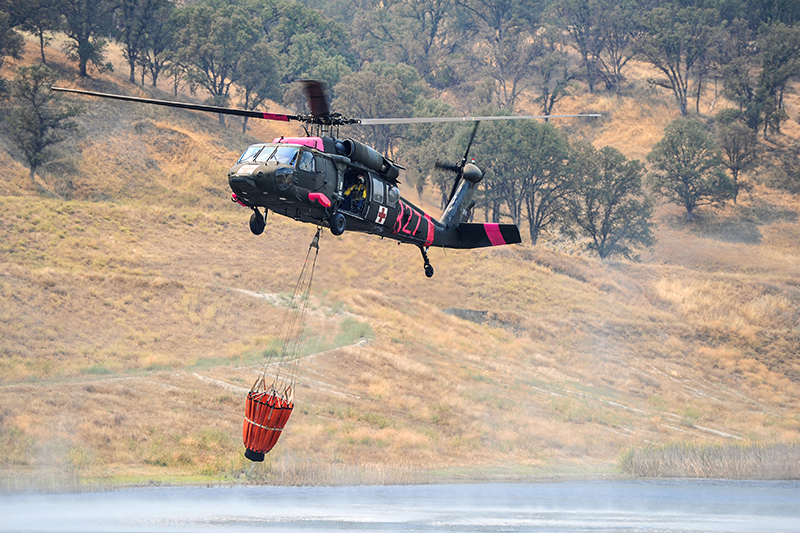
[435,120]
[181,105]
[317,99]
[460,167]
[320,110]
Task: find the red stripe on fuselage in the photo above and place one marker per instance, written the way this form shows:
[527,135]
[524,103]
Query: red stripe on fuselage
[493,232]
[429,238]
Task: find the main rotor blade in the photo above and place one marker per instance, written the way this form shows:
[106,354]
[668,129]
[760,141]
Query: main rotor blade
[434,120]
[469,145]
[181,105]
[317,100]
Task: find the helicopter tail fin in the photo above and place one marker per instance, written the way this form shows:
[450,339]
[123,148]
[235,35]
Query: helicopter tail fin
[481,235]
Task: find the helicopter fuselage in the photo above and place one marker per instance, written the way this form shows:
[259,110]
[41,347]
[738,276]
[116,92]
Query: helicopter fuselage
[312,178]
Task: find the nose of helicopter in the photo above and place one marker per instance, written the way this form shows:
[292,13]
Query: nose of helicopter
[252,183]
[242,181]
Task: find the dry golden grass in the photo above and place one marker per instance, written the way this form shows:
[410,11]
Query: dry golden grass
[131,327]
[715,461]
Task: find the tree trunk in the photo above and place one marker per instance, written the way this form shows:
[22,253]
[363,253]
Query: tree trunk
[534,232]
[697,96]
[682,105]
[41,46]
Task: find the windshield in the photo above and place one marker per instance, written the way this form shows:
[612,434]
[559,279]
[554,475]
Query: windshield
[283,154]
[260,153]
[250,153]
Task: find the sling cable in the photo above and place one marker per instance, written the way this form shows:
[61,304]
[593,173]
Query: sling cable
[268,406]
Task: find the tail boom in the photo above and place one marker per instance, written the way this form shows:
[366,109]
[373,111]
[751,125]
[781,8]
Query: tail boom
[483,235]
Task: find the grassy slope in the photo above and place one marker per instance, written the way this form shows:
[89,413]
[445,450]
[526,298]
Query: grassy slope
[127,345]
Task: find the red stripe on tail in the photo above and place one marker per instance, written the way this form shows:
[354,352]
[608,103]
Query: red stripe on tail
[493,232]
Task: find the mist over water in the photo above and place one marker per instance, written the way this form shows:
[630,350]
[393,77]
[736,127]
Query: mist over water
[585,506]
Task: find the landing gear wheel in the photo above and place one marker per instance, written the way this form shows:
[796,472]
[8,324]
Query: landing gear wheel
[257,222]
[338,223]
[428,266]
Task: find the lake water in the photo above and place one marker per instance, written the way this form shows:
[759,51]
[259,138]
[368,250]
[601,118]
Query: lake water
[580,506]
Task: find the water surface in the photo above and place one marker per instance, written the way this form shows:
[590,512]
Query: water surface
[579,506]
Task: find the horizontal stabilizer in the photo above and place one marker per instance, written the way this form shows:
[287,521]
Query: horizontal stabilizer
[480,235]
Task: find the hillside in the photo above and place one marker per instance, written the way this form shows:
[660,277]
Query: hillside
[136,306]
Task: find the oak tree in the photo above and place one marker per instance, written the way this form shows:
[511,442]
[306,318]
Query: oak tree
[39,119]
[211,40]
[608,205]
[687,168]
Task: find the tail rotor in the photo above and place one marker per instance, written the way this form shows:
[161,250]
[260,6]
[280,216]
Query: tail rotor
[459,168]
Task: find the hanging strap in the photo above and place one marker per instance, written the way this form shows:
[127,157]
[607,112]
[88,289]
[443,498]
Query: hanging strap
[286,343]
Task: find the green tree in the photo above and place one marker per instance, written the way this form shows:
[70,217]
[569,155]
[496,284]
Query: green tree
[780,62]
[11,43]
[420,33]
[619,33]
[86,25]
[761,12]
[527,165]
[308,58]
[380,90]
[257,78]
[308,44]
[757,82]
[687,168]
[553,67]
[39,120]
[40,18]
[211,40]
[505,167]
[582,19]
[739,146]
[608,205]
[133,20]
[158,50]
[676,41]
[424,145]
[603,32]
[509,31]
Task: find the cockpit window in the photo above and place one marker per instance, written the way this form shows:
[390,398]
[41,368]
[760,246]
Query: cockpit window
[250,153]
[306,162]
[285,154]
[265,154]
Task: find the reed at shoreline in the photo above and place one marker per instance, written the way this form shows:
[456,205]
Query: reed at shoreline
[720,461]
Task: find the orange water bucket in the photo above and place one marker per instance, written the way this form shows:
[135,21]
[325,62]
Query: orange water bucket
[265,415]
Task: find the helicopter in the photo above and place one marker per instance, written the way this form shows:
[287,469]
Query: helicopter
[347,185]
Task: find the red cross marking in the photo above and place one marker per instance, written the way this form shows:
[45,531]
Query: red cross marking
[381,218]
